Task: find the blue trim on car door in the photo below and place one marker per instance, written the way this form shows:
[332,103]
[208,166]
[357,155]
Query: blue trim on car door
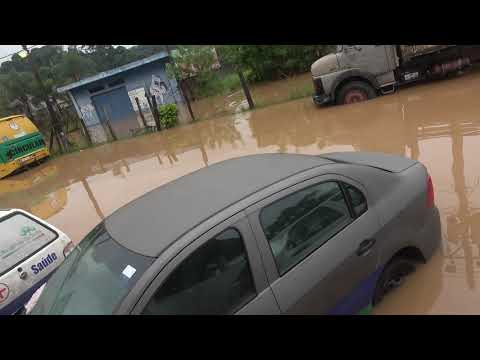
[359,298]
[21,300]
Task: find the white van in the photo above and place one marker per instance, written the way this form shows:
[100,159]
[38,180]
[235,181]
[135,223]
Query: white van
[30,250]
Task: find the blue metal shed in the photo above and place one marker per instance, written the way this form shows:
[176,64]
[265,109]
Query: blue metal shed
[106,101]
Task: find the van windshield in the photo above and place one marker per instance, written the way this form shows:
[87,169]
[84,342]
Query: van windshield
[93,279]
[21,237]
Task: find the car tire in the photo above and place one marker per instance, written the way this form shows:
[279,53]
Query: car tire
[355,91]
[392,277]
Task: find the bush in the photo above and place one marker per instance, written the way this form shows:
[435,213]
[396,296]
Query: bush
[218,84]
[168,115]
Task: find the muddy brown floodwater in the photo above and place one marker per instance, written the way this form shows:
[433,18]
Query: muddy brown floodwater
[436,123]
[263,94]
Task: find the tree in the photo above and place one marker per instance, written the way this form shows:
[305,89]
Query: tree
[17,87]
[270,62]
[4,105]
[192,61]
[16,63]
[47,56]
[107,56]
[73,66]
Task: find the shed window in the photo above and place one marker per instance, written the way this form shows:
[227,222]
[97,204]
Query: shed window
[96,89]
[116,82]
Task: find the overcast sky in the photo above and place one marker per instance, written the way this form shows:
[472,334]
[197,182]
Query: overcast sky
[9,49]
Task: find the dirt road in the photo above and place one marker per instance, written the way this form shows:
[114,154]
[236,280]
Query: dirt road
[436,123]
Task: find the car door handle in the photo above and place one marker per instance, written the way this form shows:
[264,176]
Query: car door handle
[365,247]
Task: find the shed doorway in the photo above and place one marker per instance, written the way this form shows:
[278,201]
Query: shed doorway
[116,113]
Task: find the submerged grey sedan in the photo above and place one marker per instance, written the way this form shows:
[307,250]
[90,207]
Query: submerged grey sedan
[261,234]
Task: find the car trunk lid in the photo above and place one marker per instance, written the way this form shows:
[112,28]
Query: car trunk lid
[28,253]
[386,162]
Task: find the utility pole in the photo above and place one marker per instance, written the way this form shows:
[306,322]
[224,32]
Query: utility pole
[56,126]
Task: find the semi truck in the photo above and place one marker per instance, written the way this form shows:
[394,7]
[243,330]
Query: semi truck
[361,72]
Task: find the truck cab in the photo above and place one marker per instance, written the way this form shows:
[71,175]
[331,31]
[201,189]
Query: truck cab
[361,72]
[354,73]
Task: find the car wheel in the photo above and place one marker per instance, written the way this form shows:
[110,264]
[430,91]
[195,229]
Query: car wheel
[355,91]
[392,277]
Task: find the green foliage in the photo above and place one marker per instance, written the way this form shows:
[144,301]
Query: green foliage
[16,63]
[271,62]
[107,57]
[4,105]
[17,85]
[258,63]
[73,66]
[192,60]
[168,114]
[218,85]
[46,55]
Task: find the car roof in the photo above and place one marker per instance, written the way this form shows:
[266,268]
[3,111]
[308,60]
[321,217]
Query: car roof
[151,223]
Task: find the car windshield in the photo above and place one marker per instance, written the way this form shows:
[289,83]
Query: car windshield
[93,279]
[21,237]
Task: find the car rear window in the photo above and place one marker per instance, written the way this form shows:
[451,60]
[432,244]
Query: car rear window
[21,237]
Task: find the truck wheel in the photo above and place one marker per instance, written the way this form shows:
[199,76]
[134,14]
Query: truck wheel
[355,91]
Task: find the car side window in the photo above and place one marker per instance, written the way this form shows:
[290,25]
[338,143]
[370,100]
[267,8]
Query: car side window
[359,203]
[299,223]
[215,279]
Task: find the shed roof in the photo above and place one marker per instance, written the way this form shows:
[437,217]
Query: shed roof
[112,72]
[151,223]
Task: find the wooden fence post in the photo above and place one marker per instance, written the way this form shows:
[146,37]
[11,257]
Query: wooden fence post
[140,111]
[155,113]
[246,90]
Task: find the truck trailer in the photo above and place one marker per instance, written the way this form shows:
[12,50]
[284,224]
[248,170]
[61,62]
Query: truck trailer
[361,72]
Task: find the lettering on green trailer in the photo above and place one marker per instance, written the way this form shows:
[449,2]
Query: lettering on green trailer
[24,148]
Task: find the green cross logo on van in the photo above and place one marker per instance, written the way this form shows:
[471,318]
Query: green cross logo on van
[27,230]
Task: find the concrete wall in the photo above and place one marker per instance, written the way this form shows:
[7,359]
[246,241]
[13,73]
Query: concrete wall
[136,78]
